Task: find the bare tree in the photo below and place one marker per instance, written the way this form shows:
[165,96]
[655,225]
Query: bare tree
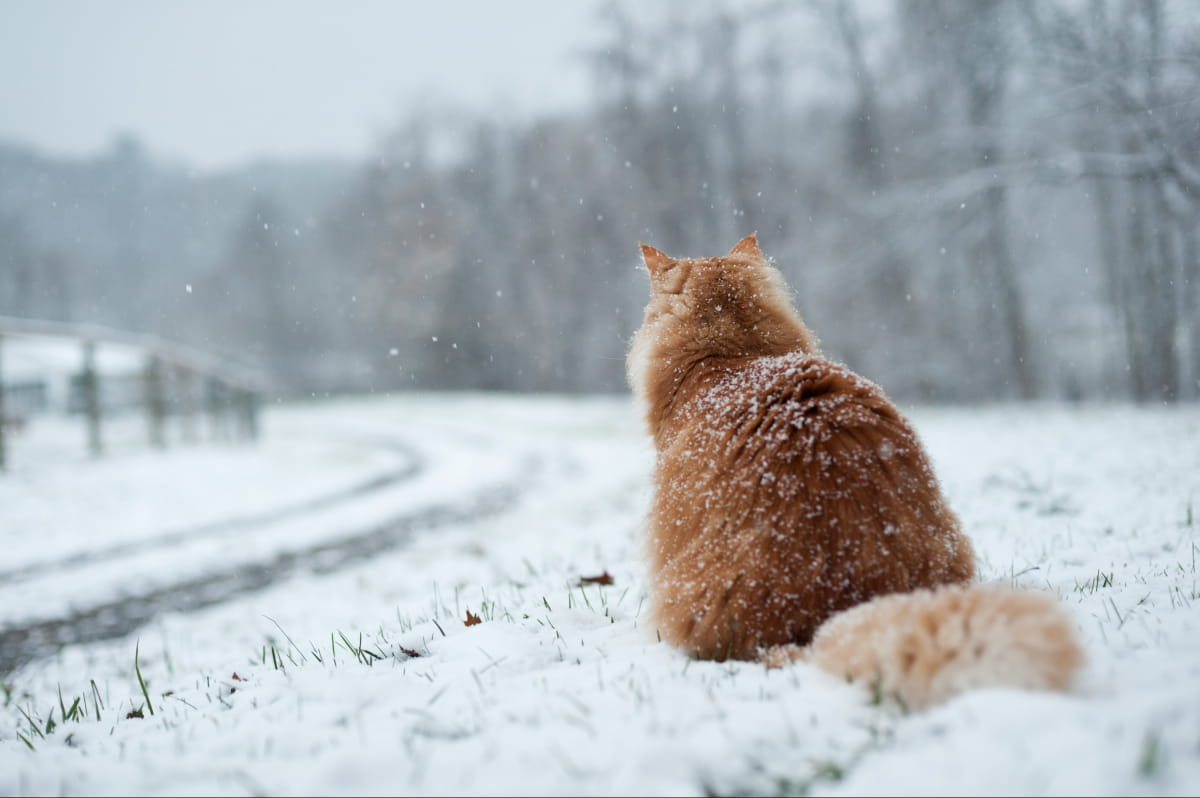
[17,262]
[967,52]
[1137,152]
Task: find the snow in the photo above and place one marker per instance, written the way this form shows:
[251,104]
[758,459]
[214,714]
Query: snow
[499,506]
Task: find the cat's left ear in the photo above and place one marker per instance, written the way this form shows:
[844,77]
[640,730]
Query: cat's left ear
[748,246]
[656,260]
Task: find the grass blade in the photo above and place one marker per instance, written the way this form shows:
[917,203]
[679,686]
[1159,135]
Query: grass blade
[142,682]
[96,695]
[32,723]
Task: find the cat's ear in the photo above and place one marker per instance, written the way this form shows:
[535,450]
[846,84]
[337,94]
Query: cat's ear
[748,246]
[656,260]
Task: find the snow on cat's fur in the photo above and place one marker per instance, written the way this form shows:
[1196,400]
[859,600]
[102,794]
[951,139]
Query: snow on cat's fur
[789,490]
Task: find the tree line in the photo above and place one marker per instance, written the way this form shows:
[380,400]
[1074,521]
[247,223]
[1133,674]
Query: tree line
[973,201]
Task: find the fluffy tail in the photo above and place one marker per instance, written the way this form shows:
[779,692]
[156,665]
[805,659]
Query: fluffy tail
[924,647]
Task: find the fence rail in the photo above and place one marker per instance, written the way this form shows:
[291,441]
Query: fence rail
[167,380]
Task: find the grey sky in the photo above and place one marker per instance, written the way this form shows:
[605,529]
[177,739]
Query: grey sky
[216,82]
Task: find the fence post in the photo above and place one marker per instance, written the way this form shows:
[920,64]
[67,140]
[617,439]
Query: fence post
[188,388]
[89,383]
[3,412]
[215,403]
[156,401]
[247,405]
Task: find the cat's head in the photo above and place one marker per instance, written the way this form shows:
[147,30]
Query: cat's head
[673,275]
[735,305]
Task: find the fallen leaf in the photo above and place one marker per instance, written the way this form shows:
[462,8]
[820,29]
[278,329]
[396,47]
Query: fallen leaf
[603,579]
[410,652]
[472,619]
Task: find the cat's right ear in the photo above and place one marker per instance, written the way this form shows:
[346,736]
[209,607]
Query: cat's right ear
[656,260]
[748,246]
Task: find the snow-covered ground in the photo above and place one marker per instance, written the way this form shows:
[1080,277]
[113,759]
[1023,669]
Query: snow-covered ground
[312,593]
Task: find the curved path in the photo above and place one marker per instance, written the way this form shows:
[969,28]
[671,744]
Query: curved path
[344,537]
[227,526]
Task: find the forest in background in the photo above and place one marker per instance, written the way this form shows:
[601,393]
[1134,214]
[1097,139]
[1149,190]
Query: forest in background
[973,201]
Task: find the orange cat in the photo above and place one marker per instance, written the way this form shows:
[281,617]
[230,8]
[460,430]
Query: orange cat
[789,489]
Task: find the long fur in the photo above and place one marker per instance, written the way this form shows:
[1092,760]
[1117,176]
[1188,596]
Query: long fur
[788,490]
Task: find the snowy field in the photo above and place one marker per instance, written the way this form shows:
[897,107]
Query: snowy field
[303,613]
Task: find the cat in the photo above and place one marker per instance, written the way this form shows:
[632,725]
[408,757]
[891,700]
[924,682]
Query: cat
[795,512]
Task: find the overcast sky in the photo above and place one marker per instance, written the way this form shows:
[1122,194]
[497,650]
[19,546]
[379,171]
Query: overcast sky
[217,82]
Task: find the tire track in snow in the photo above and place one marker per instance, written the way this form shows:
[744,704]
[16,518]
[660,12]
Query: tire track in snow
[111,619]
[226,526]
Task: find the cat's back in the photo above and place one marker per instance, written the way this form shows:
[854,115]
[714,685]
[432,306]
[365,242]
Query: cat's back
[791,489]
[803,449]
[785,408]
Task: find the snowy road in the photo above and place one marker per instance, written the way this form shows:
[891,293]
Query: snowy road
[115,587]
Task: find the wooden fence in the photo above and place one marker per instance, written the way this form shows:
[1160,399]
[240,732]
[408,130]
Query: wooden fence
[171,381]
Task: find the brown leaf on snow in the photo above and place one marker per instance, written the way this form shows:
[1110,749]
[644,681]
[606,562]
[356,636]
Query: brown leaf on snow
[472,619]
[603,579]
[237,678]
[411,652]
